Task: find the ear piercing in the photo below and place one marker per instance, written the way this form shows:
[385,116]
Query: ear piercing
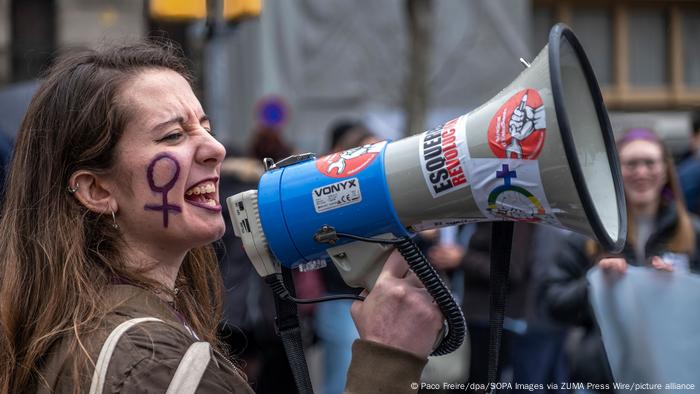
[72,190]
[115,225]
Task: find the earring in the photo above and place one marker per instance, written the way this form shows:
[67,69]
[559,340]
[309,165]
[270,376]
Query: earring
[115,225]
[72,190]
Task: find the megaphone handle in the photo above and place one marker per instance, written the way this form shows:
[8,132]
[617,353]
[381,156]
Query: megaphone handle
[360,263]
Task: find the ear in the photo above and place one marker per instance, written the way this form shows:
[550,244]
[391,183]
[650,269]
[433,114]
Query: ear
[93,191]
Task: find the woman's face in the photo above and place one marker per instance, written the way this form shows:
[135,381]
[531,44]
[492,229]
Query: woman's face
[166,174]
[643,172]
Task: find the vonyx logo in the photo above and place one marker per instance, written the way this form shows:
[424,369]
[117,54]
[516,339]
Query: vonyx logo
[517,130]
[336,187]
[349,162]
[336,195]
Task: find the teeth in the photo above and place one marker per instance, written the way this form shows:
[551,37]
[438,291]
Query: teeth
[211,203]
[204,189]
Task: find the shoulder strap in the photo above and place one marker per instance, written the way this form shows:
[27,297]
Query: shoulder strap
[192,366]
[187,376]
[98,377]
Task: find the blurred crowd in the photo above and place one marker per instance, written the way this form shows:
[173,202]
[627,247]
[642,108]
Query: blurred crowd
[550,332]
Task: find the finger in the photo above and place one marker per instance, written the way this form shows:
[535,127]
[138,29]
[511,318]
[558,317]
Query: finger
[604,263]
[613,265]
[412,280]
[395,266]
[621,265]
[523,102]
[436,255]
[608,261]
[458,249]
[430,299]
[658,263]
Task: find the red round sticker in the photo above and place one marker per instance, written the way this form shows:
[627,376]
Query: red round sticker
[517,130]
[349,162]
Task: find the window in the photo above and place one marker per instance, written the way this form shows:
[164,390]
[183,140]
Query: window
[644,53]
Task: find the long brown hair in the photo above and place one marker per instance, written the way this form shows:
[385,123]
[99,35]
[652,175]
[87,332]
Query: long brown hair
[683,238]
[55,255]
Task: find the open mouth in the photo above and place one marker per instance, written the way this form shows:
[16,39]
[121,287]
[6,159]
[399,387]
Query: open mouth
[203,195]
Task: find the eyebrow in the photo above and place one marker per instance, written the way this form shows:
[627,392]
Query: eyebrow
[176,121]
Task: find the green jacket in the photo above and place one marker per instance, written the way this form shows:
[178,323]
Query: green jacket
[147,356]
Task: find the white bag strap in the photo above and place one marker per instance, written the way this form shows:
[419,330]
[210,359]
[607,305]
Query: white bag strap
[192,366]
[98,377]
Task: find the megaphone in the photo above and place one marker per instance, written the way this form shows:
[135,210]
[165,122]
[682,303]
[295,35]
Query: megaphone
[540,151]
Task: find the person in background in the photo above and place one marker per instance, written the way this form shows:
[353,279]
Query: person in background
[689,169]
[267,141]
[444,250]
[332,322]
[109,280]
[247,326]
[531,346]
[661,234]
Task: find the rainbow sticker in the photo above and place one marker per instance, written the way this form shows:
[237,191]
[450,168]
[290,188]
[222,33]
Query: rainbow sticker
[510,189]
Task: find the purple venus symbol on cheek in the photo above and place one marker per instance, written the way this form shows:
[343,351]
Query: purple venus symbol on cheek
[164,189]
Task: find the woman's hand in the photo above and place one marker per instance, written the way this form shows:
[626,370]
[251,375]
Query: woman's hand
[398,311]
[658,263]
[613,264]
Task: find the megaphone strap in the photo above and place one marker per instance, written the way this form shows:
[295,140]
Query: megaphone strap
[501,245]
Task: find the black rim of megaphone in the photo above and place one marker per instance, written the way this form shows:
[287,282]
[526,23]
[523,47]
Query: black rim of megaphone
[555,35]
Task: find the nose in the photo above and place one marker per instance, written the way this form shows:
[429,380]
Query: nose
[210,151]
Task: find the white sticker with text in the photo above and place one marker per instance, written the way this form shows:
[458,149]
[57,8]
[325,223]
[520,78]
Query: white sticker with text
[337,195]
[443,152]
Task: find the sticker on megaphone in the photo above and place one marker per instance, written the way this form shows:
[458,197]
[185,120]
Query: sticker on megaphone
[442,151]
[518,128]
[510,189]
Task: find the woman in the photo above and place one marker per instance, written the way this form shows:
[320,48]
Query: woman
[661,234]
[110,208]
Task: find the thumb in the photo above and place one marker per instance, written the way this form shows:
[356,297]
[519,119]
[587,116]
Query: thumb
[523,102]
[395,266]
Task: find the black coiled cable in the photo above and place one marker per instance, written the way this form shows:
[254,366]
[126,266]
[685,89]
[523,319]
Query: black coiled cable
[456,325]
[426,273]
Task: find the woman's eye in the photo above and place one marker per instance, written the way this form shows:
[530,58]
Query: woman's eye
[210,131]
[174,136]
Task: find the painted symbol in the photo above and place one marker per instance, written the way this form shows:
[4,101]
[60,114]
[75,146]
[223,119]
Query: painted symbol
[513,202]
[518,129]
[164,189]
[349,162]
